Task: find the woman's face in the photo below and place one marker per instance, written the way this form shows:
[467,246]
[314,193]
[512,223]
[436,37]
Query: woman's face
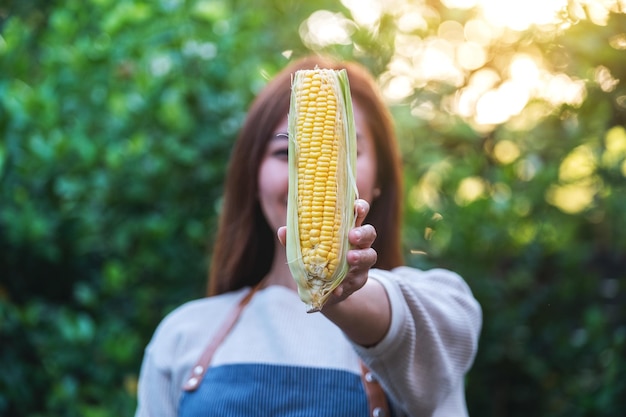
[274,169]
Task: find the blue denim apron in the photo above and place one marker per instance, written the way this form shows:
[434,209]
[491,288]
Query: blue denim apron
[257,389]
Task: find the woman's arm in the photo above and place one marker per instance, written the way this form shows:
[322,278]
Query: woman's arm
[417,330]
[155,397]
[431,342]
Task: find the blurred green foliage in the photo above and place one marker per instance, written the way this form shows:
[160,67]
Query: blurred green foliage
[117,119]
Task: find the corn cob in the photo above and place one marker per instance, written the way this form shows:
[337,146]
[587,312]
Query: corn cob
[322,185]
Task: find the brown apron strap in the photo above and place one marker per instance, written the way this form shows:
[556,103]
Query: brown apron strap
[377,401]
[199,369]
[376,398]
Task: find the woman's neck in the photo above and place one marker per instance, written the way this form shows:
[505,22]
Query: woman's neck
[279,273]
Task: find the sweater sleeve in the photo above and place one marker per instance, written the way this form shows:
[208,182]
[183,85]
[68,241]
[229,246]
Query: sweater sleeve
[432,341]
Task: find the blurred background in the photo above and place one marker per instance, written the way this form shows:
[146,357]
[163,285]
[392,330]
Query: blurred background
[116,122]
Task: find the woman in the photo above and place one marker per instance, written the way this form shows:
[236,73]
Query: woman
[416,331]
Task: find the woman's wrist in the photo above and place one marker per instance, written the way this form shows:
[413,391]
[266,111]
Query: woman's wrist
[364,316]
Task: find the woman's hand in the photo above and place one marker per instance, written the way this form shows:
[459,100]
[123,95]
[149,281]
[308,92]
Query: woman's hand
[363,315]
[361,257]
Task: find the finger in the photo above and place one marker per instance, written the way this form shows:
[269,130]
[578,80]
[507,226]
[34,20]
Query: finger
[349,286]
[361,208]
[362,237]
[338,292]
[361,258]
[282,235]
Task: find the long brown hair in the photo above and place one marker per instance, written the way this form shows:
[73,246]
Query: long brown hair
[244,245]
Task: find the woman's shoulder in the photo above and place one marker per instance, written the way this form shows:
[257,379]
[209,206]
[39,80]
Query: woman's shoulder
[195,317]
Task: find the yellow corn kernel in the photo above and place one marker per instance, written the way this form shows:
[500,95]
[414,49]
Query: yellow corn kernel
[322,186]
